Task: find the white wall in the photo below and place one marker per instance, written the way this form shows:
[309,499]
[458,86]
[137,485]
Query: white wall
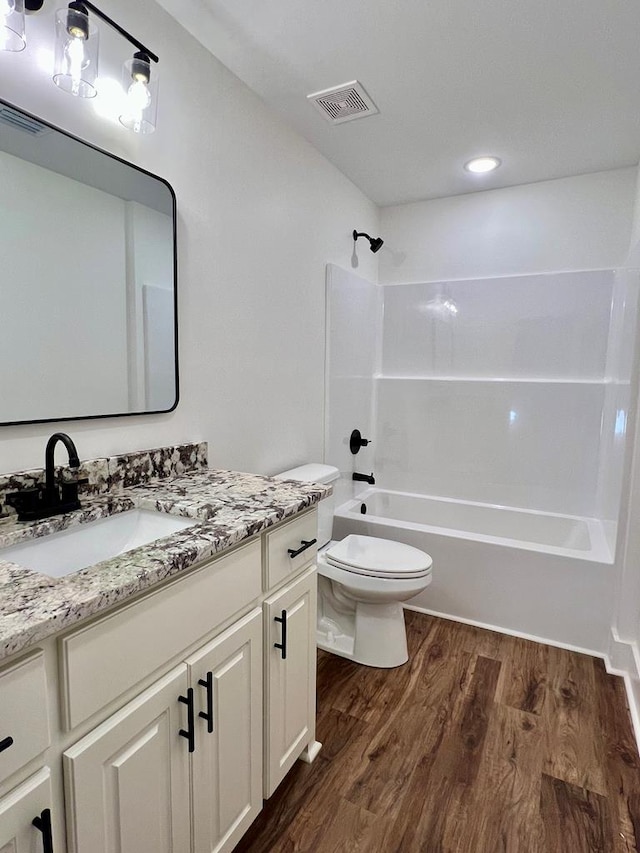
[260,214]
[573,223]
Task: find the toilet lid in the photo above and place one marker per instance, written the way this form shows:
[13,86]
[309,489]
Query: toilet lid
[367,555]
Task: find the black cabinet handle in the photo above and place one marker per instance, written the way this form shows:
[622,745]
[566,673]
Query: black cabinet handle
[6,743]
[208,683]
[190,732]
[283,645]
[43,824]
[304,545]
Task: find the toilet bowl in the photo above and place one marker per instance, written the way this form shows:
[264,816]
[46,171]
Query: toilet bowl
[362,582]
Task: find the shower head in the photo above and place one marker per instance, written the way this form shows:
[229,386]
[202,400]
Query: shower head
[374,242]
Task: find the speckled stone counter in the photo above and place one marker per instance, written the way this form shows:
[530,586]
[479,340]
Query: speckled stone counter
[230,507]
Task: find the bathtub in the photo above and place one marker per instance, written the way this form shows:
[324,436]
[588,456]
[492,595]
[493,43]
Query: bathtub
[541,575]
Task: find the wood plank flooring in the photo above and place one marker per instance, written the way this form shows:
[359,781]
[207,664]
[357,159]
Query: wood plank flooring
[482,743]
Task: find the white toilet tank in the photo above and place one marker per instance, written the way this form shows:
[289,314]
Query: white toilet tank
[317,473]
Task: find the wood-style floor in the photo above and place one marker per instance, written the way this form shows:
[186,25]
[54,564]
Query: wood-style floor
[482,743]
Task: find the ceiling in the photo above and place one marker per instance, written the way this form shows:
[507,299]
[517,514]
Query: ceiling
[552,88]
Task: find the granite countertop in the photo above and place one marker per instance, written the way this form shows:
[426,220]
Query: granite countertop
[230,507]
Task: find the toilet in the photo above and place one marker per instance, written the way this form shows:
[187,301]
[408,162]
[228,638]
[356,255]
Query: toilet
[362,582]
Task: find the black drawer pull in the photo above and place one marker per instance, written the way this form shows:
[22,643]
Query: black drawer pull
[208,683]
[43,824]
[304,545]
[283,621]
[6,743]
[190,732]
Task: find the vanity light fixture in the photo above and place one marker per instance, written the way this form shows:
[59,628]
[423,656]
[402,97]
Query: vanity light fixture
[12,36]
[482,165]
[77,64]
[76,57]
[141,102]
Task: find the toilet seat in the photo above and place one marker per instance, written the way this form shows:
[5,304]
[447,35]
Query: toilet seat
[378,558]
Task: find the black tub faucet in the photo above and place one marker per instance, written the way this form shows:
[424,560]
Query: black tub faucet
[364,478]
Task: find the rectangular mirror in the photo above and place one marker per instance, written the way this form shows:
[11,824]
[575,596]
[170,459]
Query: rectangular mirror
[88,320]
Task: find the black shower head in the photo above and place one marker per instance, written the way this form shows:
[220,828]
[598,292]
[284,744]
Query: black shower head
[374,242]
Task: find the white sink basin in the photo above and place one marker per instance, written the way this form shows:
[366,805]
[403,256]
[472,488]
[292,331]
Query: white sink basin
[79,547]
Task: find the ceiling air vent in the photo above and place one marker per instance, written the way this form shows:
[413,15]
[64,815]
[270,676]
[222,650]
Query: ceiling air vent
[344,103]
[20,121]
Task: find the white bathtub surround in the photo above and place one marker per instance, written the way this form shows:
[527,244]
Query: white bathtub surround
[540,575]
[624,646]
[550,533]
[354,318]
[500,417]
[519,398]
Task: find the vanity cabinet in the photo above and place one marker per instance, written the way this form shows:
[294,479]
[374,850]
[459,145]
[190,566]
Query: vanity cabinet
[24,718]
[290,629]
[127,782]
[226,766]
[178,712]
[18,810]
[198,729]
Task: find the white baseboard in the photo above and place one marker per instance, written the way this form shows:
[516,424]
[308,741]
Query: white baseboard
[508,631]
[623,658]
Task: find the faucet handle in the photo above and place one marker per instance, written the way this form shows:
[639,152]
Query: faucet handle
[69,490]
[356,441]
[25,502]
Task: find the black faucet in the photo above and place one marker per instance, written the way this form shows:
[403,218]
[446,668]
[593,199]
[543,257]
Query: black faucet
[50,487]
[54,498]
[365,478]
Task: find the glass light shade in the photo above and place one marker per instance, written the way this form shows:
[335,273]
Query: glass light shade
[12,25]
[140,103]
[76,56]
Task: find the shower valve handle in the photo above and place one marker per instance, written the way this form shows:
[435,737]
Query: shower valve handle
[356,441]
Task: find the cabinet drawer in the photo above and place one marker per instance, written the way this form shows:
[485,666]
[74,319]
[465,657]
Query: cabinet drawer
[102,661]
[19,808]
[24,716]
[280,565]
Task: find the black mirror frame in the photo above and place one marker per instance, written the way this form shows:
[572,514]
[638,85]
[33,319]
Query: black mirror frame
[174,210]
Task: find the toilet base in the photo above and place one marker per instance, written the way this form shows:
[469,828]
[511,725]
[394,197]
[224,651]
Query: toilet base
[381,635]
[370,634]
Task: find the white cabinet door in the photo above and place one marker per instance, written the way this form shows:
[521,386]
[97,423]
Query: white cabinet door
[226,676]
[290,621]
[17,812]
[127,782]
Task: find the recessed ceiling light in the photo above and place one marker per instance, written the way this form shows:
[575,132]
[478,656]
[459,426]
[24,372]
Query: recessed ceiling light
[480,165]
